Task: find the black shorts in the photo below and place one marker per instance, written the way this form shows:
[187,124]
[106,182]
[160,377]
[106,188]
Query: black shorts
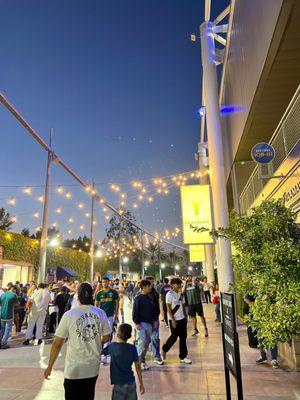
[196,309]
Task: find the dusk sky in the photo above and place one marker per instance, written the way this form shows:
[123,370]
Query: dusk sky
[120,83]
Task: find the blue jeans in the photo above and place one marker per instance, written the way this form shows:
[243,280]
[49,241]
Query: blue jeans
[6,327]
[143,337]
[155,341]
[124,392]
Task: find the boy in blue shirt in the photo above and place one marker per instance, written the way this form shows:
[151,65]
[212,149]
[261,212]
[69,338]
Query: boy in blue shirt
[123,355]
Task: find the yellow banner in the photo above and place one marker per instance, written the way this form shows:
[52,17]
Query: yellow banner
[196,214]
[197,252]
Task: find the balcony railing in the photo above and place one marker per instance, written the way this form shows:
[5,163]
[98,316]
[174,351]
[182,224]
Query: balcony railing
[285,138]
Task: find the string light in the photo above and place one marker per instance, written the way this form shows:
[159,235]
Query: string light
[27,190]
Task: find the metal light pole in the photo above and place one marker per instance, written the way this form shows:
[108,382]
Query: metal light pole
[43,241]
[91,274]
[204,180]
[142,256]
[120,257]
[173,260]
[215,146]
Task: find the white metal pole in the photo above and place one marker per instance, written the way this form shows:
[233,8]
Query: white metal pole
[142,256]
[215,146]
[120,257]
[91,272]
[43,241]
[204,180]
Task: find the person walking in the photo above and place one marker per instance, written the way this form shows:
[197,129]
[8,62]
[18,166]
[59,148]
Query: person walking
[86,328]
[177,321]
[144,317]
[38,303]
[61,301]
[195,307]
[206,289]
[8,300]
[163,293]
[123,355]
[108,300]
[216,302]
[155,339]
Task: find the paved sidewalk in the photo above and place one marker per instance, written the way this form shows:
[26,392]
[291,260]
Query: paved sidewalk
[21,373]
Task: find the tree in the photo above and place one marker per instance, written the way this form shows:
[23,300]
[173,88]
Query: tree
[5,220]
[25,232]
[82,243]
[267,263]
[52,232]
[119,227]
[156,253]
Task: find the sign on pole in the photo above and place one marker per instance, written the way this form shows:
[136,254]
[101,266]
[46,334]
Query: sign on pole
[196,214]
[231,350]
[197,252]
[263,153]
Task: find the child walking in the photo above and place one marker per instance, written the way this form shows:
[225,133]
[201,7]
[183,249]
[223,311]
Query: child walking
[123,355]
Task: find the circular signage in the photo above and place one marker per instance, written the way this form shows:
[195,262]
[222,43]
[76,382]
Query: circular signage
[263,153]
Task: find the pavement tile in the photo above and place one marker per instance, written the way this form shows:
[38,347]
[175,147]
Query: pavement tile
[21,372]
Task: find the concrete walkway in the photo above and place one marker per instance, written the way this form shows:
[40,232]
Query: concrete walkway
[21,373]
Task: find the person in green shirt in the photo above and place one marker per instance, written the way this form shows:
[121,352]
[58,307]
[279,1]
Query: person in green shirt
[108,300]
[7,301]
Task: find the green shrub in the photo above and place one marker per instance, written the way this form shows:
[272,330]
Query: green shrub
[268,265]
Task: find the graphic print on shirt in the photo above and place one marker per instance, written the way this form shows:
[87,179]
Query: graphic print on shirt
[88,327]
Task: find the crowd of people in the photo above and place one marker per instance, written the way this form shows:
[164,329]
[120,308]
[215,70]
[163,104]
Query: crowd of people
[90,318]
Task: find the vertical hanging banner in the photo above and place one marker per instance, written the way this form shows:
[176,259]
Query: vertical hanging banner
[197,253]
[196,214]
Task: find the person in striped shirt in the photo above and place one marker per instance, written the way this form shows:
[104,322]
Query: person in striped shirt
[193,294]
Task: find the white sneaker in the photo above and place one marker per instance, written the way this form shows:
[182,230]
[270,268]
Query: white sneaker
[158,361]
[186,361]
[275,364]
[145,366]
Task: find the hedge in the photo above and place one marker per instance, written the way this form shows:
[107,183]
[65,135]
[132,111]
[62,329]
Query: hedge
[17,247]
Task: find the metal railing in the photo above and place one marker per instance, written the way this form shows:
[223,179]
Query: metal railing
[284,139]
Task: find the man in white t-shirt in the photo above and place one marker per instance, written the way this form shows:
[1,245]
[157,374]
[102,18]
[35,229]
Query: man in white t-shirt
[178,321]
[39,302]
[86,327]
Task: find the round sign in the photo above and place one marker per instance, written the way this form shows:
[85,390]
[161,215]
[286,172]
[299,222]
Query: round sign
[263,153]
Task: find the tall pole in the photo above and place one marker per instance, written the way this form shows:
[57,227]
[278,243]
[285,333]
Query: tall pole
[173,260]
[120,257]
[204,180]
[43,242]
[142,256]
[215,147]
[91,274]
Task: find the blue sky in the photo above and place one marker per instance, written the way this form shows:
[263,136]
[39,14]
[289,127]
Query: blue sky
[118,81]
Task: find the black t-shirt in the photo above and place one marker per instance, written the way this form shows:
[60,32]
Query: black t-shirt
[164,290]
[61,301]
